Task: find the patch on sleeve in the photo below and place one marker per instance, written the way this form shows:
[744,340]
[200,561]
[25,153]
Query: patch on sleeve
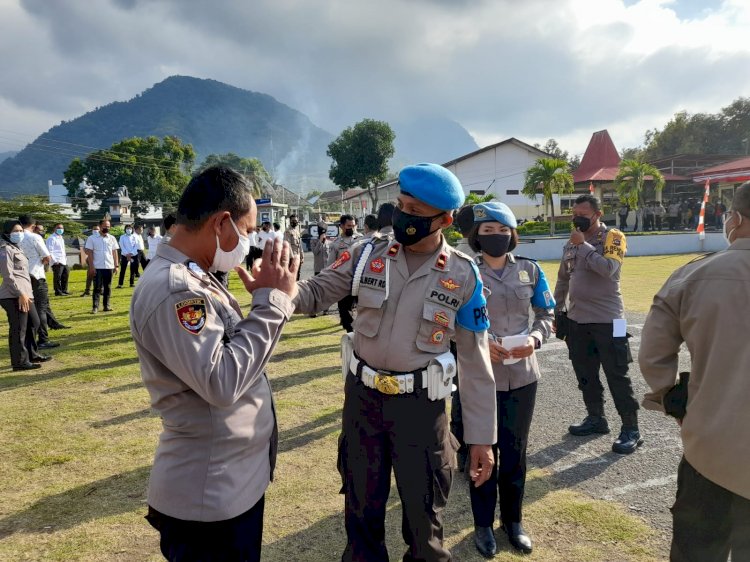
[472,315]
[542,293]
[377,266]
[343,258]
[615,245]
[191,314]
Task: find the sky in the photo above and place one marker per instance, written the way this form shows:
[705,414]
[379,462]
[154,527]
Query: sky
[532,69]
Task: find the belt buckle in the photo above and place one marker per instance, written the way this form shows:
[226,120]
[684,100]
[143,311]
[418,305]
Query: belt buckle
[387,384]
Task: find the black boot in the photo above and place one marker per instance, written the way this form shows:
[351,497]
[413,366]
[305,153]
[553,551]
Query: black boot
[591,424]
[484,539]
[518,537]
[628,441]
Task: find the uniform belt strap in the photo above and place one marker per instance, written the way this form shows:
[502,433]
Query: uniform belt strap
[356,365]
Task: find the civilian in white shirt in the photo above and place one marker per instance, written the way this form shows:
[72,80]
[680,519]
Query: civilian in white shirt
[266,233]
[36,253]
[59,260]
[153,239]
[141,257]
[255,250]
[129,252]
[103,263]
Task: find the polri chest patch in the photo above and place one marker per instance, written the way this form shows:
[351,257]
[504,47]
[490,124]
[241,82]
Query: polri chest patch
[191,314]
[444,298]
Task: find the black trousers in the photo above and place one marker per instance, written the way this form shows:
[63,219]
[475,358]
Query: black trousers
[60,274]
[102,286]
[252,255]
[658,222]
[708,521]
[47,319]
[406,432]
[22,331]
[457,421]
[234,540]
[623,222]
[515,409]
[132,261]
[591,346]
[345,313]
[140,260]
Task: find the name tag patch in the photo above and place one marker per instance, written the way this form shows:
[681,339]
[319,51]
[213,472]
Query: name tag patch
[373,282]
[191,315]
[444,298]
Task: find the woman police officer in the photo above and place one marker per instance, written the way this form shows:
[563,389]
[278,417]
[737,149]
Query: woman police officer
[518,297]
[16,298]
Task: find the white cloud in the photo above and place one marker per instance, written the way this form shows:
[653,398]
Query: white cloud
[501,68]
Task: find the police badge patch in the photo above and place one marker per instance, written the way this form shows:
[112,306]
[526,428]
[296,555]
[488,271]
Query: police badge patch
[437,336]
[377,266]
[343,258]
[191,314]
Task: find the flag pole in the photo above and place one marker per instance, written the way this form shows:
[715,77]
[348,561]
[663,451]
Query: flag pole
[701,230]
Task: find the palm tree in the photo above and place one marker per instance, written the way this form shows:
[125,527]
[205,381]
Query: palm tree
[550,176]
[630,181]
[475,199]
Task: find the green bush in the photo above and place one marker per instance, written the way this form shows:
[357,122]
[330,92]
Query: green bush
[542,227]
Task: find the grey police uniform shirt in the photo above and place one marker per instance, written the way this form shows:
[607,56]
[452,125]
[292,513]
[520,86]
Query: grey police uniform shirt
[320,252]
[512,297]
[293,236]
[340,245]
[203,364]
[588,281]
[417,320]
[14,269]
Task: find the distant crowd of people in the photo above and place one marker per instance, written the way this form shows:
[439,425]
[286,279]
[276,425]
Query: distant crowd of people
[677,214]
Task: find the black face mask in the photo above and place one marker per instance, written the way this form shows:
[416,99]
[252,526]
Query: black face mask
[582,223]
[293,224]
[348,232]
[494,245]
[410,229]
[104,230]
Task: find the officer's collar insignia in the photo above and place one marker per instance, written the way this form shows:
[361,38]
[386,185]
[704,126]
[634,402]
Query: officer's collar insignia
[524,276]
[442,259]
[449,284]
[191,315]
[393,250]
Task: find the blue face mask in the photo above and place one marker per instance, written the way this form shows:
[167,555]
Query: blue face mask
[128,231]
[59,231]
[16,237]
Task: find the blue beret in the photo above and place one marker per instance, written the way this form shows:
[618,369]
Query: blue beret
[495,211]
[432,184]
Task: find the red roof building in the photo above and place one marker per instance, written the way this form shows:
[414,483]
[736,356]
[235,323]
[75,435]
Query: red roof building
[735,171]
[600,161]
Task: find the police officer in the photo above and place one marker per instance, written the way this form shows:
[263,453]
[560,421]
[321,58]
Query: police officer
[415,294]
[588,288]
[519,297]
[203,361]
[320,248]
[340,246]
[705,305]
[294,238]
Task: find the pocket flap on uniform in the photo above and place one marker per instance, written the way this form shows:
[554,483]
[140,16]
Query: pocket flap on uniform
[370,298]
[440,315]
[525,292]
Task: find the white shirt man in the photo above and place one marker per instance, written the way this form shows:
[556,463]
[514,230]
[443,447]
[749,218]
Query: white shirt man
[264,235]
[103,246]
[153,240]
[59,260]
[128,244]
[103,260]
[56,248]
[35,250]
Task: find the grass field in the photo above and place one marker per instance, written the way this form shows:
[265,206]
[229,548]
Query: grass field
[78,438]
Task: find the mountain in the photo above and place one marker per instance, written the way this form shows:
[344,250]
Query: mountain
[6,155]
[216,118]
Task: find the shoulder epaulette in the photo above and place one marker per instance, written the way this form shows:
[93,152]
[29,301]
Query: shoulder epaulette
[463,255]
[178,278]
[701,257]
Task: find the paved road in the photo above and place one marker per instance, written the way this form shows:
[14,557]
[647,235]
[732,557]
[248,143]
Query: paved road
[644,482]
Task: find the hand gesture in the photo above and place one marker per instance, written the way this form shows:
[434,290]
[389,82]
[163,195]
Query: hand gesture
[482,463]
[24,303]
[524,350]
[498,352]
[277,269]
[577,237]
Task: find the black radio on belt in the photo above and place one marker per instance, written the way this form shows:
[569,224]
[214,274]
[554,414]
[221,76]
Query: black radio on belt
[562,325]
[675,400]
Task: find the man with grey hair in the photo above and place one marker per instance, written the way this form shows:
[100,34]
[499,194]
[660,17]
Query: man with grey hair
[704,305]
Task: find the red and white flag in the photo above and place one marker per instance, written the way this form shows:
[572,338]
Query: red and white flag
[591,187]
[702,219]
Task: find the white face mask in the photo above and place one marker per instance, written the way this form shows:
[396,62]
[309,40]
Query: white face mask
[16,237]
[727,235]
[227,261]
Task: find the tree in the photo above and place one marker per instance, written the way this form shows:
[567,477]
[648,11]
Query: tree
[251,167]
[631,179]
[360,156]
[552,148]
[475,199]
[549,176]
[154,171]
[46,213]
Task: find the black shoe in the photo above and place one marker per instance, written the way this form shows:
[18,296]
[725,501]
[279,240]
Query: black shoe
[518,537]
[484,539]
[48,345]
[589,426]
[86,294]
[132,285]
[94,310]
[108,309]
[58,294]
[60,327]
[118,287]
[41,358]
[27,366]
[65,294]
[628,441]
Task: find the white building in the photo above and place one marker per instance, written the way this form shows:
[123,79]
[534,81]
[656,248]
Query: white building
[498,169]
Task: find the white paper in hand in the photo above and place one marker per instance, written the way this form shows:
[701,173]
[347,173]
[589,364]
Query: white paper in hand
[509,342]
[619,328]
